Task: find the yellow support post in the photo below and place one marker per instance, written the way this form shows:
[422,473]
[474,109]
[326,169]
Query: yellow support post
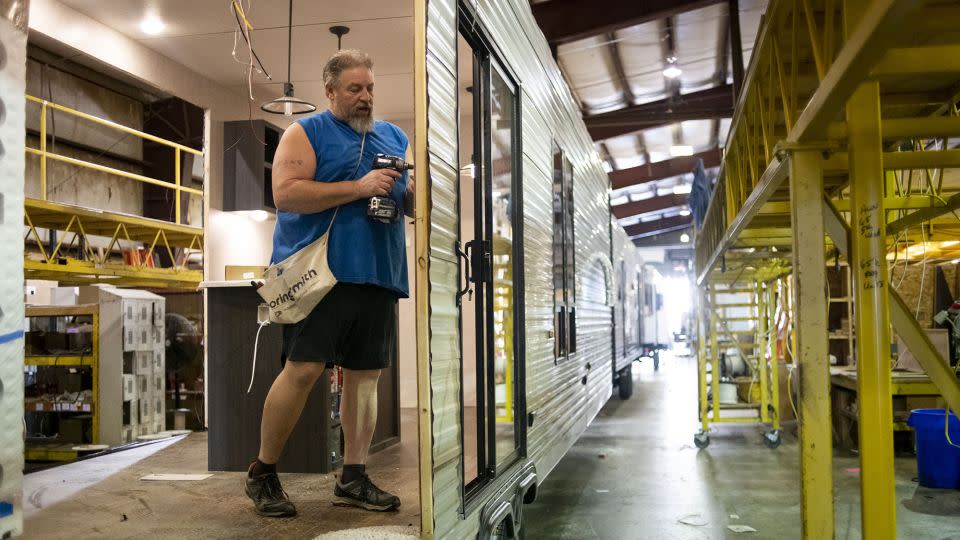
[702,360]
[714,357]
[868,261]
[176,181]
[812,352]
[774,360]
[761,353]
[878,511]
[43,150]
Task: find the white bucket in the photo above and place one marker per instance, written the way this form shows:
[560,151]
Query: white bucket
[728,392]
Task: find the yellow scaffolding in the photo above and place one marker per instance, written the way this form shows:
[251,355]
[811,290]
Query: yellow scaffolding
[836,149]
[90,265]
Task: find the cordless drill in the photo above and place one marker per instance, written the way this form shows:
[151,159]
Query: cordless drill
[383,208]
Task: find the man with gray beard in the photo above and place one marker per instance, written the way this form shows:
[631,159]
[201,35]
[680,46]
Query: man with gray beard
[322,179]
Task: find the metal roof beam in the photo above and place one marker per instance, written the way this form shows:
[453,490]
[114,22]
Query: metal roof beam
[651,172]
[703,105]
[646,206]
[658,226]
[568,20]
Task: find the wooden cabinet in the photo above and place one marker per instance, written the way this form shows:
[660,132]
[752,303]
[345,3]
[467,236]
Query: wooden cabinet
[248,164]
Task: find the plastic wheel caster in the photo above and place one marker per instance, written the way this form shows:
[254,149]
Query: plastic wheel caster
[772,438]
[701,440]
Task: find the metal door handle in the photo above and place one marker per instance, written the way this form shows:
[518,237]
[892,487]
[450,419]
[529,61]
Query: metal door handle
[464,255]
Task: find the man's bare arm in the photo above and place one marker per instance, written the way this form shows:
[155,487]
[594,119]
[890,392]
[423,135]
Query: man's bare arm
[295,190]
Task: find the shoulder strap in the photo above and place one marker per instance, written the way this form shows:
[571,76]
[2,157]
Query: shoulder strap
[363,142]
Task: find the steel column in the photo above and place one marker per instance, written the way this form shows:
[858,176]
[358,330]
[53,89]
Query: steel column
[761,352]
[774,357]
[714,357]
[702,359]
[870,280]
[812,351]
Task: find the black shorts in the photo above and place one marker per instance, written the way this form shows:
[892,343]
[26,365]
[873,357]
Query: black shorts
[354,327]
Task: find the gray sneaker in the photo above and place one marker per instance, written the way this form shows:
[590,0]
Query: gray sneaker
[362,493]
[268,496]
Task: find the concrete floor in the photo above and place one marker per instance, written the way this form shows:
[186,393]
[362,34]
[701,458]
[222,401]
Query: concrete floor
[105,498]
[635,474]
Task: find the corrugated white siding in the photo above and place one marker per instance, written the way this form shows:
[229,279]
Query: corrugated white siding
[444,272]
[13,46]
[556,394]
[624,250]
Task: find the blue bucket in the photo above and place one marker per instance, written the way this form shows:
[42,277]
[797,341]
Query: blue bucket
[938,463]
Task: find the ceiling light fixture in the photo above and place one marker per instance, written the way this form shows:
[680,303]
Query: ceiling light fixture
[682,189]
[672,71]
[152,25]
[684,238]
[259,215]
[684,213]
[288,105]
[678,150]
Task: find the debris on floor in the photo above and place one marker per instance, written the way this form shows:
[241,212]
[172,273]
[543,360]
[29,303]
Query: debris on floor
[172,477]
[694,520]
[373,533]
[741,528]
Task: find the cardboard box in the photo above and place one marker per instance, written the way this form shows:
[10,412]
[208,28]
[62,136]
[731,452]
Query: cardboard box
[74,429]
[907,361]
[243,273]
[64,296]
[90,294]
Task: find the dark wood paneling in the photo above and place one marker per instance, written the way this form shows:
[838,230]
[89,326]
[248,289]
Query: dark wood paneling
[234,415]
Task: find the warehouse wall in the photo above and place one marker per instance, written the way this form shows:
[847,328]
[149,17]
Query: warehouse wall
[76,185]
[916,286]
[53,22]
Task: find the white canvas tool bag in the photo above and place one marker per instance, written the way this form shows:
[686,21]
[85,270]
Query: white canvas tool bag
[295,285]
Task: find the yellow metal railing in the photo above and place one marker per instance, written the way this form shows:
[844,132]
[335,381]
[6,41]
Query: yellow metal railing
[43,154]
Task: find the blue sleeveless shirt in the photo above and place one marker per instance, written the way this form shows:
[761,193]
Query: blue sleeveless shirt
[361,250]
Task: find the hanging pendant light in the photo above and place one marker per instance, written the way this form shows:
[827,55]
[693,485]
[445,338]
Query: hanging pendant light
[288,105]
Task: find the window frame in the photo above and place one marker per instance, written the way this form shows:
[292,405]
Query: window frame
[564,312]
[487,60]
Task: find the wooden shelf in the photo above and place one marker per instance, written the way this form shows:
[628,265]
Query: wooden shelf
[58,406]
[60,360]
[50,452]
[61,311]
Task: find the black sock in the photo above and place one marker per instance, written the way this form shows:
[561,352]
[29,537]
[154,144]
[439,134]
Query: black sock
[258,468]
[351,473]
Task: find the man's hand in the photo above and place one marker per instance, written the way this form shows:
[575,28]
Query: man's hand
[378,182]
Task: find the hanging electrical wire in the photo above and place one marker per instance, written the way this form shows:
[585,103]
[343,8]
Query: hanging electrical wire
[244,27]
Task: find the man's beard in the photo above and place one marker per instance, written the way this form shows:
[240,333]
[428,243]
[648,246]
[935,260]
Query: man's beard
[361,121]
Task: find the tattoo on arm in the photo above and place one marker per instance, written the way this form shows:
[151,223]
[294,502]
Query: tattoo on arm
[290,163]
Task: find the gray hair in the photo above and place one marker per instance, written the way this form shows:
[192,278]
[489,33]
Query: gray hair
[342,60]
